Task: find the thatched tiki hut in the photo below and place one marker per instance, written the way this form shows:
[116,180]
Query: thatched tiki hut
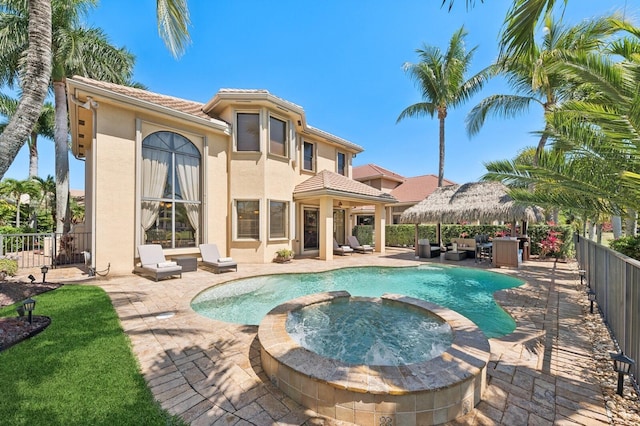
[476,201]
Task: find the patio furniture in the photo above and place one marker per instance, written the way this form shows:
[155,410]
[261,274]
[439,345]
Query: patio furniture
[455,255]
[211,258]
[356,246]
[189,262]
[154,264]
[426,249]
[342,251]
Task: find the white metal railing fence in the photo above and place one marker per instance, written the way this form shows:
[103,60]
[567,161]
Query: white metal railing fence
[615,279]
[50,249]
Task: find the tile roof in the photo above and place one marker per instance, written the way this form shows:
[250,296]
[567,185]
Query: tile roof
[368,171]
[417,188]
[189,107]
[326,180]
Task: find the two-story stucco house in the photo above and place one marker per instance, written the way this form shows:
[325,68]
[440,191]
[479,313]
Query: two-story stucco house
[244,171]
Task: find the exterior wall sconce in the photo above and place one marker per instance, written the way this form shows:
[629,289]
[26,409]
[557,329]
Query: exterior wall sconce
[622,365]
[592,298]
[28,306]
[44,271]
[583,275]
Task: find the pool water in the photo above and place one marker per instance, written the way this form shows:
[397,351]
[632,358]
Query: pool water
[387,333]
[464,290]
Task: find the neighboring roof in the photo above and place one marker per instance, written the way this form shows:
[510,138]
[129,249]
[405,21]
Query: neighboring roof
[373,171]
[415,189]
[189,107]
[330,183]
[484,201]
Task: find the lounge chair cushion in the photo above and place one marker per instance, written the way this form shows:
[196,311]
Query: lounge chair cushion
[225,259]
[167,264]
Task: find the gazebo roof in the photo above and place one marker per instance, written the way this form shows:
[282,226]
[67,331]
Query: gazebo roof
[483,201]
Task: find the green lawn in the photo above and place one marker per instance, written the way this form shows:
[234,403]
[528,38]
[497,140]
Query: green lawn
[79,371]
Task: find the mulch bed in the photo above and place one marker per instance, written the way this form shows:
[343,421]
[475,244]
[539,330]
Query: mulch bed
[14,329]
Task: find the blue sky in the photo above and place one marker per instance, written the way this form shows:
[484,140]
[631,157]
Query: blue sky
[341,60]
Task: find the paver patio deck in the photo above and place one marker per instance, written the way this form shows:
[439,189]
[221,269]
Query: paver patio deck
[209,373]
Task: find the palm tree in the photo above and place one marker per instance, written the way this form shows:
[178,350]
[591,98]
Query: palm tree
[15,189]
[48,194]
[36,70]
[440,78]
[75,50]
[535,78]
[173,20]
[594,162]
[43,127]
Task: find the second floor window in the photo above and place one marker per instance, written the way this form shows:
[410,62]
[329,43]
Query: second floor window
[308,160]
[248,132]
[277,137]
[342,164]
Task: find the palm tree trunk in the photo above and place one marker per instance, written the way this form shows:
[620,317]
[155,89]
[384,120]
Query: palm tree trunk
[35,84]
[541,144]
[18,211]
[616,224]
[441,163]
[440,174]
[62,157]
[33,155]
[631,224]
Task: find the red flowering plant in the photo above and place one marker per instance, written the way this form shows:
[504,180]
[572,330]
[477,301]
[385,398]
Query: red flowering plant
[463,235]
[551,245]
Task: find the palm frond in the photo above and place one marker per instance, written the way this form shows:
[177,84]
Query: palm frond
[173,23]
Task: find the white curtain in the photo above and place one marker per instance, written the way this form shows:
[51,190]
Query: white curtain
[188,171]
[155,166]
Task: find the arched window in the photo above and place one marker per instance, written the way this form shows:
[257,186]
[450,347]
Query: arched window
[171,199]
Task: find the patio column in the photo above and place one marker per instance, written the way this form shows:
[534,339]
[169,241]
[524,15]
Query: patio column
[326,228]
[380,228]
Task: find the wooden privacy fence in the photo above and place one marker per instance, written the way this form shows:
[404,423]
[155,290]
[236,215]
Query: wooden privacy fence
[50,249]
[615,278]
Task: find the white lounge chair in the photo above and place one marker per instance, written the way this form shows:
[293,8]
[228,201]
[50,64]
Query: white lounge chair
[153,263]
[356,246]
[341,250]
[211,257]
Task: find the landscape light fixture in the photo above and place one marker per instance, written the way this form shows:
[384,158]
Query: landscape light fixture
[29,305]
[592,298]
[583,275]
[44,271]
[32,278]
[621,365]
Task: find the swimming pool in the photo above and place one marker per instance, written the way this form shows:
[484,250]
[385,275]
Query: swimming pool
[464,290]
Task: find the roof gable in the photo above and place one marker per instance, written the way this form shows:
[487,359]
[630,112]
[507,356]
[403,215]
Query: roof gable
[330,182]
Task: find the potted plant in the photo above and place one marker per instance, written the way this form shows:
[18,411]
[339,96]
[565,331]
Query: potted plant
[284,255]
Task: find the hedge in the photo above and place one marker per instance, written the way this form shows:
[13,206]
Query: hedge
[404,235]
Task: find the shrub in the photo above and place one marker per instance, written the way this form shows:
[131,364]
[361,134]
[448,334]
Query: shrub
[629,246]
[10,266]
[364,233]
